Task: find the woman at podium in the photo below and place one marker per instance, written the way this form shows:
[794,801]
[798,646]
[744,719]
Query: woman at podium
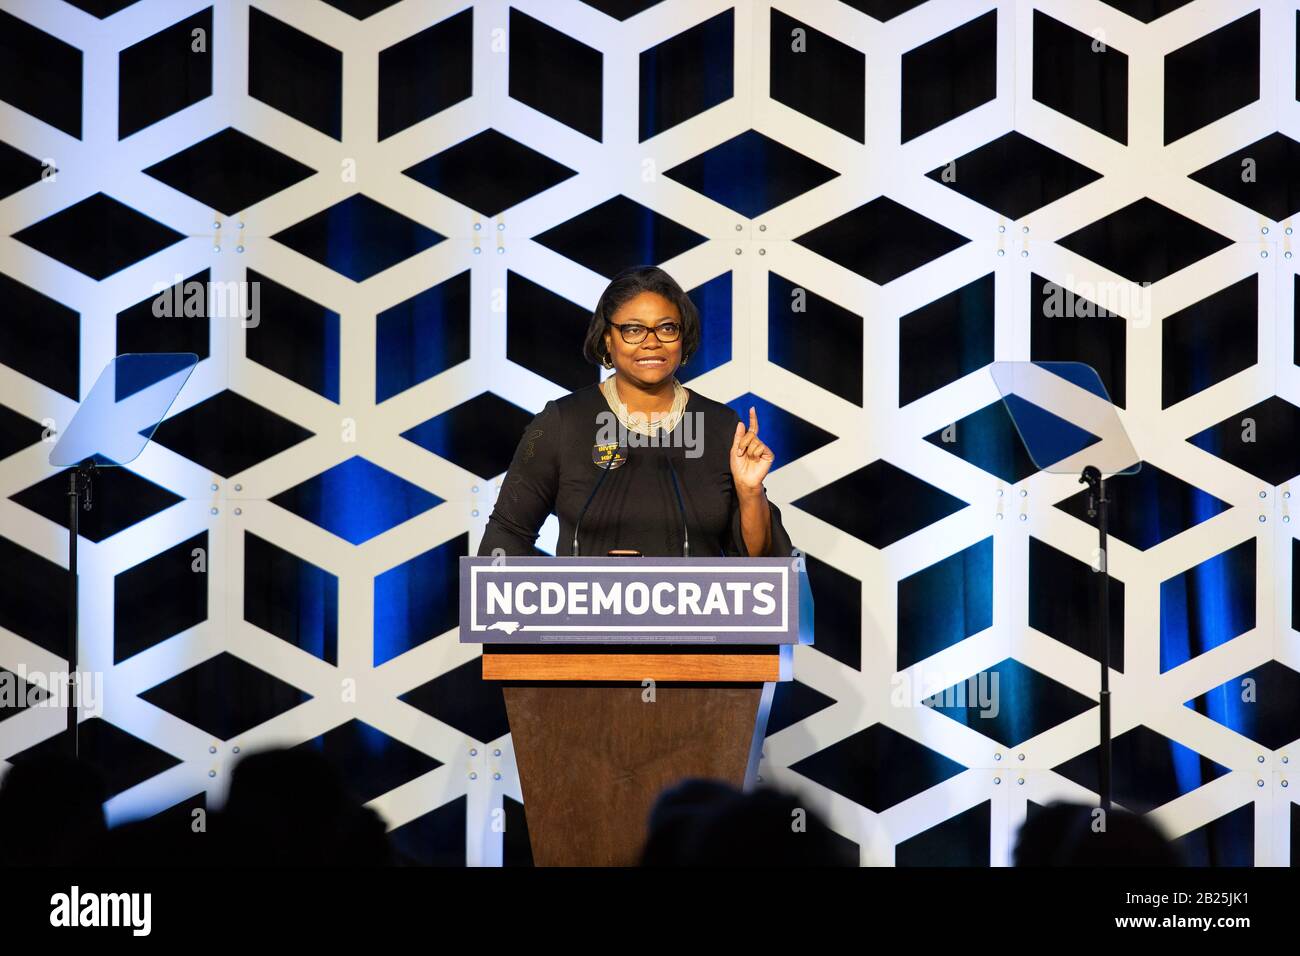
[639,464]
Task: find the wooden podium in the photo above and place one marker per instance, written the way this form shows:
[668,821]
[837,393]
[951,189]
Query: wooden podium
[601,728]
[595,744]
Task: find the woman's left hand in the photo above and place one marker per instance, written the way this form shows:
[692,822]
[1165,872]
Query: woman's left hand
[750,458]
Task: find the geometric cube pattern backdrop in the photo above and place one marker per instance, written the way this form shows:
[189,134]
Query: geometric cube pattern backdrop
[869,200]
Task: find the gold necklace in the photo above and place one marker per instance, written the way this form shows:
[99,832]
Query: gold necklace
[638,421]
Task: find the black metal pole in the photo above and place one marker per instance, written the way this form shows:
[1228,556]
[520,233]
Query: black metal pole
[1097,502]
[1105,758]
[74,506]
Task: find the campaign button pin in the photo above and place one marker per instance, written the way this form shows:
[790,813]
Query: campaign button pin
[609,456]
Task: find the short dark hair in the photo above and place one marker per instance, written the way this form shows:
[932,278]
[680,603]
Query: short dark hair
[627,285]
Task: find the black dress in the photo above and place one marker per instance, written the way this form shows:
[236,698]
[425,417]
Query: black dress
[555,469]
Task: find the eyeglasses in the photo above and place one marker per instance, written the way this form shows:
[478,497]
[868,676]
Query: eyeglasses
[634,333]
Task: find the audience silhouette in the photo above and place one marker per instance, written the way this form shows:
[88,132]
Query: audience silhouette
[290,807]
[284,808]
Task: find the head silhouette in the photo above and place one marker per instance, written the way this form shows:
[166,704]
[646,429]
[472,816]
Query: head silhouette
[709,823]
[290,807]
[51,812]
[1070,834]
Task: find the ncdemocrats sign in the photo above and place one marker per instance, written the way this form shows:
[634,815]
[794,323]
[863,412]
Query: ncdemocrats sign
[601,600]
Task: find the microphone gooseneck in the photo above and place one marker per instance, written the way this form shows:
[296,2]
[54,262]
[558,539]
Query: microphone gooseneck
[591,497]
[681,507]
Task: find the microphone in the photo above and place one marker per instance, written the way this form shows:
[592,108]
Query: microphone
[599,481]
[681,506]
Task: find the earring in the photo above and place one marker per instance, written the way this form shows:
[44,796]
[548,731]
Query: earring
[606,362]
